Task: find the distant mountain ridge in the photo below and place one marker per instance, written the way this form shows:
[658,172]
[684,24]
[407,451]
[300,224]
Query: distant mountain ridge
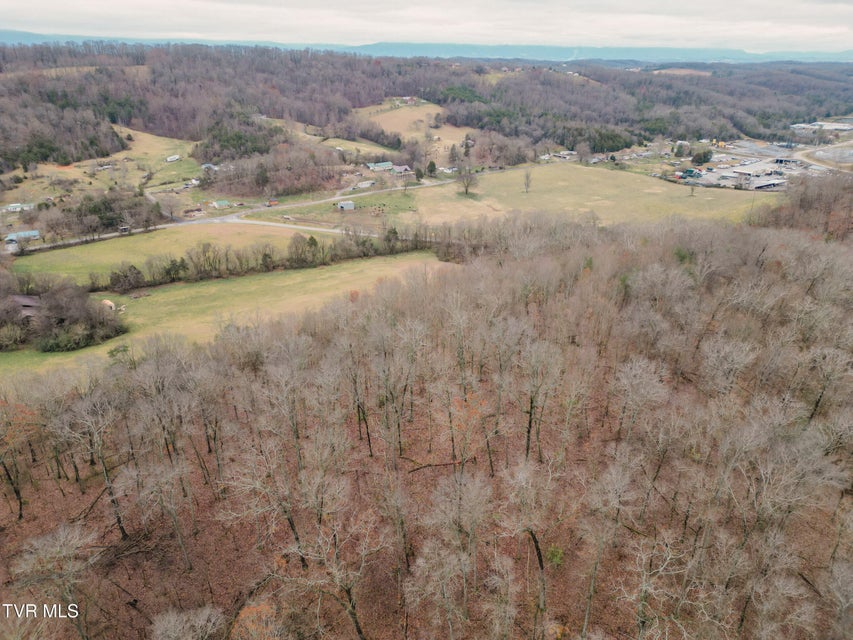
[478,51]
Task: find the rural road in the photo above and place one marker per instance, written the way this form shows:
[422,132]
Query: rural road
[238,216]
[268,223]
[812,155]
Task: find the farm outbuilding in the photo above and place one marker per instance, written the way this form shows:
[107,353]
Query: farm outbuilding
[18,207]
[28,306]
[771,184]
[346,205]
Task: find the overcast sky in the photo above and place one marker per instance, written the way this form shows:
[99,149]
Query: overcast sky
[753,25]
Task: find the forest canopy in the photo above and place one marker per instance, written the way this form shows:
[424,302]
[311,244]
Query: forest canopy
[582,431]
[178,91]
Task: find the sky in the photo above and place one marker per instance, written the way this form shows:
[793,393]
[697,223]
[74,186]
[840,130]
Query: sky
[753,25]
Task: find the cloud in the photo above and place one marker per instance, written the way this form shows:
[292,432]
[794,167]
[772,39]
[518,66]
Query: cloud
[756,25]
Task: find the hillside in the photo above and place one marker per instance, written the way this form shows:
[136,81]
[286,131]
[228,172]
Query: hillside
[581,432]
[213,94]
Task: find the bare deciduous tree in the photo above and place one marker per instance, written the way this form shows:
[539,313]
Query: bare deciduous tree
[197,624]
[501,606]
[532,506]
[55,564]
[95,416]
[467,178]
[538,374]
[436,581]
[339,552]
[265,492]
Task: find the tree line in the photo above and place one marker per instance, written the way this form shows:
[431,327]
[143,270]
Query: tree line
[209,260]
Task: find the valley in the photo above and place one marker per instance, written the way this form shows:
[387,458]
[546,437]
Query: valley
[303,344]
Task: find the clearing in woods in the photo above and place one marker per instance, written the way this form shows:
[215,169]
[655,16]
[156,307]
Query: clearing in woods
[102,257]
[199,310]
[358,146]
[309,133]
[413,121]
[150,152]
[146,153]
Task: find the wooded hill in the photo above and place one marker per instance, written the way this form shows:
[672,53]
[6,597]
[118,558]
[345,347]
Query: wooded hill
[580,432]
[57,101]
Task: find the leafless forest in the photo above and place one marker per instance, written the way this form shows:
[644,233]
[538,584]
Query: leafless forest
[575,432]
[57,101]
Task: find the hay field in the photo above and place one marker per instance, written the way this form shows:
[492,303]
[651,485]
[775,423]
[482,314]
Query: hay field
[407,120]
[198,310]
[560,188]
[102,257]
[575,190]
[359,146]
[412,121]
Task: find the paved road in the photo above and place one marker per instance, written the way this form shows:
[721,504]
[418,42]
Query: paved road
[239,216]
[811,155]
[268,223]
[349,195]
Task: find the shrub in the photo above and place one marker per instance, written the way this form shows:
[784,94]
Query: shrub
[554,556]
[11,337]
[126,278]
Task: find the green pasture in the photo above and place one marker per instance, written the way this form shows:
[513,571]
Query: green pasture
[150,151]
[102,257]
[198,310]
[370,209]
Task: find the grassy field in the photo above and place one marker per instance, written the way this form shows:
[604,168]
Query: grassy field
[575,190]
[150,152]
[359,146]
[146,153]
[407,120]
[102,257]
[562,188]
[307,133]
[370,211]
[412,121]
[198,310]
